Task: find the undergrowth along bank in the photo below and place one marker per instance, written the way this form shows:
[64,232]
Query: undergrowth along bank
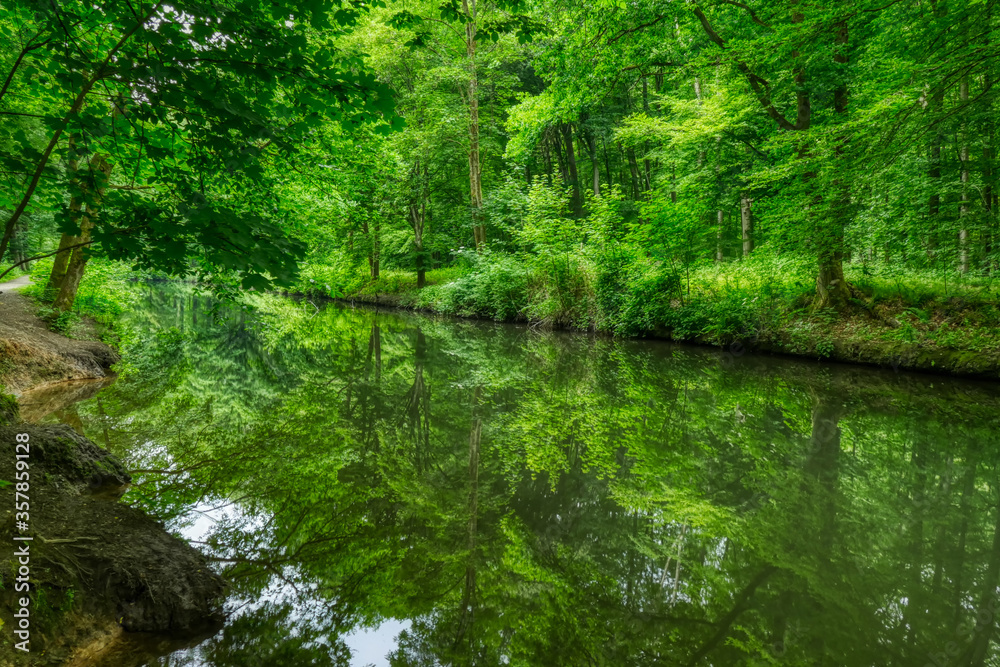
[106,294]
[899,317]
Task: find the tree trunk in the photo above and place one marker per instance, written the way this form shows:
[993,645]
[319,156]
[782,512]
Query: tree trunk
[418,218]
[418,213]
[475,169]
[989,191]
[61,261]
[607,161]
[645,108]
[100,170]
[590,141]
[832,290]
[560,158]
[934,173]
[596,166]
[697,96]
[746,223]
[574,178]
[988,195]
[719,218]
[719,213]
[633,167]
[418,243]
[939,10]
[547,160]
[963,209]
[376,256]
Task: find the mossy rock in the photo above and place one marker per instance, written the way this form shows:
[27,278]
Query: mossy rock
[76,464]
[101,567]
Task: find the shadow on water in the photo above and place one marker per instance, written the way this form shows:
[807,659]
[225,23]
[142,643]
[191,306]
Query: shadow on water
[423,491]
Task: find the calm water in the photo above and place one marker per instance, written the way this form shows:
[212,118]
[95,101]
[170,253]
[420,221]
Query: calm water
[391,489]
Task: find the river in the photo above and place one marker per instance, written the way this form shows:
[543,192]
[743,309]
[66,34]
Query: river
[385,488]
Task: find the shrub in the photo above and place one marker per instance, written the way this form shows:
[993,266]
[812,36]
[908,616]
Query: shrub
[610,288]
[561,290]
[497,287]
[650,291]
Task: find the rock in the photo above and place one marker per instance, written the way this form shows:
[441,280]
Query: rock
[117,567]
[76,462]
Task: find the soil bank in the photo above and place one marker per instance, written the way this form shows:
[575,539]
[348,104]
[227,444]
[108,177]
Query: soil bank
[31,355]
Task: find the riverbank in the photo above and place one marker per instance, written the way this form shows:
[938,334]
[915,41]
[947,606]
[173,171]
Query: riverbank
[32,355]
[105,578]
[98,570]
[899,320]
[916,323]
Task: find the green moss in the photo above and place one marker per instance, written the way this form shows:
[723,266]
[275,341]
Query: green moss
[9,411]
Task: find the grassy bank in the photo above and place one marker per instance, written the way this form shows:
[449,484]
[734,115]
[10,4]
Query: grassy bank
[901,318]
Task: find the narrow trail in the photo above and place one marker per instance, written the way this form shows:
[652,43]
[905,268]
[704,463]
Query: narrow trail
[15,283]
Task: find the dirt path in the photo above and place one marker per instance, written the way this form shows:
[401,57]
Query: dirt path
[32,355]
[15,283]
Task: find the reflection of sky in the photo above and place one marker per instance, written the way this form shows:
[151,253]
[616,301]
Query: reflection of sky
[369,646]
[197,522]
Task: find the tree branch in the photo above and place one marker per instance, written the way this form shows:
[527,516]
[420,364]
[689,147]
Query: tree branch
[639,27]
[20,57]
[31,259]
[753,16]
[757,84]
[74,109]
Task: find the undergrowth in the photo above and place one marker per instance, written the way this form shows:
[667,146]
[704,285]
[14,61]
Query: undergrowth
[767,297]
[105,295]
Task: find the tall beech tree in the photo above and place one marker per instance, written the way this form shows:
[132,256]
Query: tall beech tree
[455,31]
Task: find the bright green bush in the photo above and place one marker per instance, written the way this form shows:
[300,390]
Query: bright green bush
[496,287]
[334,276]
[561,290]
[651,291]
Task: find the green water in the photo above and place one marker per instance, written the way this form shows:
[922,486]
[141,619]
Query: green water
[386,488]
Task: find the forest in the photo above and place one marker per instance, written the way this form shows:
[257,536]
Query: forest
[710,171]
[413,333]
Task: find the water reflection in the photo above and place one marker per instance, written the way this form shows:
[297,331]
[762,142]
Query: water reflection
[59,399]
[456,493]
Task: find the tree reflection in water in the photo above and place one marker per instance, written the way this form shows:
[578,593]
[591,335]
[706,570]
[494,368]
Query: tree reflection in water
[527,498]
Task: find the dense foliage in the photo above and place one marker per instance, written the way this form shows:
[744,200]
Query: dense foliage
[153,130]
[582,163]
